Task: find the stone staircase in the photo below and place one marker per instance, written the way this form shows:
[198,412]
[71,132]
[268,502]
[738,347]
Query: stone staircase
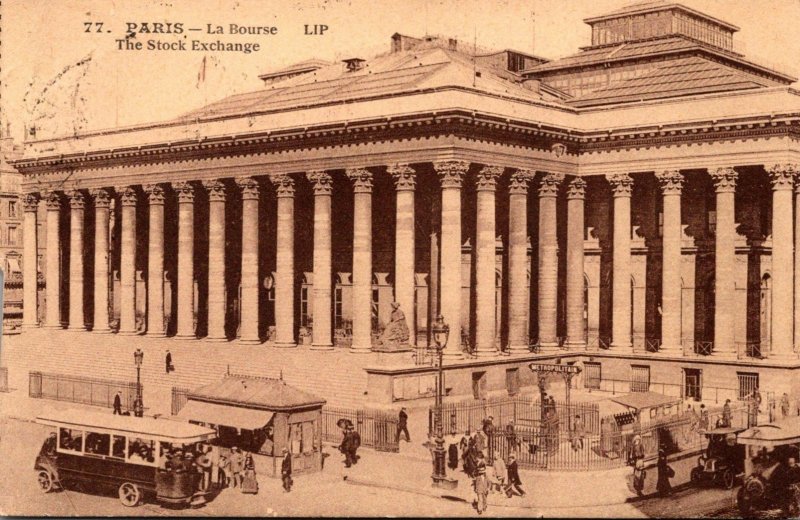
[337,376]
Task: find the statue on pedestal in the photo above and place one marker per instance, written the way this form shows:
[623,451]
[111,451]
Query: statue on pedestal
[396,334]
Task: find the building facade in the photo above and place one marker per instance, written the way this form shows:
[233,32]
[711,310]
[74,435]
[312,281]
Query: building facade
[630,207]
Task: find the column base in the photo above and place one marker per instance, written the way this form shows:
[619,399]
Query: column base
[622,346]
[128,333]
[452,355]
[671,350]
[222,339]
[725,354]
[53,327]
[76,329]
[322,346]
[185,337]
[518,349]
[106,330]
[360,349]
[250,341]
[783,356]
[284,344]
[575,345]
[30,325]
[486,353]
[155,335]
[549,347]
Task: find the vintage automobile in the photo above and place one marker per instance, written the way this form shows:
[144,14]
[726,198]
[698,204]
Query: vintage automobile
[723,460]
[771,467]
[128,454]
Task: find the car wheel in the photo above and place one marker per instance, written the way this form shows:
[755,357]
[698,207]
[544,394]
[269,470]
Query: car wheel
[727,478]
[45,480]
[129,494]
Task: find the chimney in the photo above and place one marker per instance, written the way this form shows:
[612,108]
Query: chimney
[354,64]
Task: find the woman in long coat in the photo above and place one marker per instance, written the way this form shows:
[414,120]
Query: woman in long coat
[664,473]
[481,484]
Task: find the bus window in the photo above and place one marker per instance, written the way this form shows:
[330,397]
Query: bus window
[141,451]
[118,447]
[70,440]
[98,443]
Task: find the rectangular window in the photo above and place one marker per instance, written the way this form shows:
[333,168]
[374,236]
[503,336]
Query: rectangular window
[141,451]
[12,235]
[748,381]
[693,383]
[512,381]
[70,440]
[118,446]
[98,443]
[592,375]
[12,208]
[640,378]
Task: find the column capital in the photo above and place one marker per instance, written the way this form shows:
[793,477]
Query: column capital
[576,189]
[621,184]
[30,201]
[671,182]
[102,197]
[127,196]
[284,186]
[549,184]
[76,199]
[518,183]
[185,191]
[52,200]
[249,188]
[404,176]
[724,179]
[781,176]
[451,173]
[216,190]
[362,179]
[323,183]
[487,178]
[155,193]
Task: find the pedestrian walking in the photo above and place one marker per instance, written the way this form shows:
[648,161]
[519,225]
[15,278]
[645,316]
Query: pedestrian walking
[501,472]
[704,420]
[452,451]
[168,359]
[118,403]
[204,466]
[225,470]
[286,471]
[513,483]
[237,467]
[480,484]
[665,472]
[785,405]
[578,433]
[249,480]
[355,443]
[511,436]
[402,425]
[726,414]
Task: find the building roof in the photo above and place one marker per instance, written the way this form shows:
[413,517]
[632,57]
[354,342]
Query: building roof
[388,74]
[651,6]
[779,433]
[268,394]
[677,77]
[640,400]
[296,68]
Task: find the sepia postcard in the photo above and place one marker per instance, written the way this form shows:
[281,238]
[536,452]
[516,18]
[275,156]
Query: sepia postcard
[400,258]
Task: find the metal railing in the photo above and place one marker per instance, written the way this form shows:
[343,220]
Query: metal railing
[423,356]
[377,428]
[749,349]
[84,390]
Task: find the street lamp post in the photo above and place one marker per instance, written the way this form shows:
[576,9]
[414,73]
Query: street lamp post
[138,405]
[440,332]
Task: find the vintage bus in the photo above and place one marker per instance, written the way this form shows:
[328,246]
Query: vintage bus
[132,455]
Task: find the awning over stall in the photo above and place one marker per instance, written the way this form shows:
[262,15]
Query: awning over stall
[225,415]
[641,400]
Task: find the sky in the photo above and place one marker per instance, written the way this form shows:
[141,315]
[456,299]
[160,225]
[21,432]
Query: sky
[61,79]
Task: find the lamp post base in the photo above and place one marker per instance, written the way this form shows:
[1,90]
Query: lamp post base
[444,482]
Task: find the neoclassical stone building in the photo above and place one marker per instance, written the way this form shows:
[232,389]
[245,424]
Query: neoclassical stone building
[630,207]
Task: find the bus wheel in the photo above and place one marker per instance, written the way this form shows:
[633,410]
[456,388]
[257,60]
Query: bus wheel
[727,478]
[45,480]
[129,494]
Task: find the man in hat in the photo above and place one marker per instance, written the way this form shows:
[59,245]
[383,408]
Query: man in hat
[286,470]
[118,403]
[236,466]
[168,360]
[402,425]
[355,443]
[514,483]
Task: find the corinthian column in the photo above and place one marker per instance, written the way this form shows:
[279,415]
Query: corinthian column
[576,335]
[248,329]
[155,261]
[102,201]
[622,185]
[53,273]
[451,174]
[185,192]
[127,276]
[216,260]
[518,262]
[548,260]
[77,205]
[362,260]
[797,262]
[322,330]
[781,343]
[30,269]
[485,263]
[724,262]
[284,276]
[671,182]
[405,250]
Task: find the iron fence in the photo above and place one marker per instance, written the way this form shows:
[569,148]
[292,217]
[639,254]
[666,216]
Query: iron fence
[83,390]
[377,428]
[180,396]
[525,411]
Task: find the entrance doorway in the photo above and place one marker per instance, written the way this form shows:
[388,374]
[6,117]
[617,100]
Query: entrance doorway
[693,383]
